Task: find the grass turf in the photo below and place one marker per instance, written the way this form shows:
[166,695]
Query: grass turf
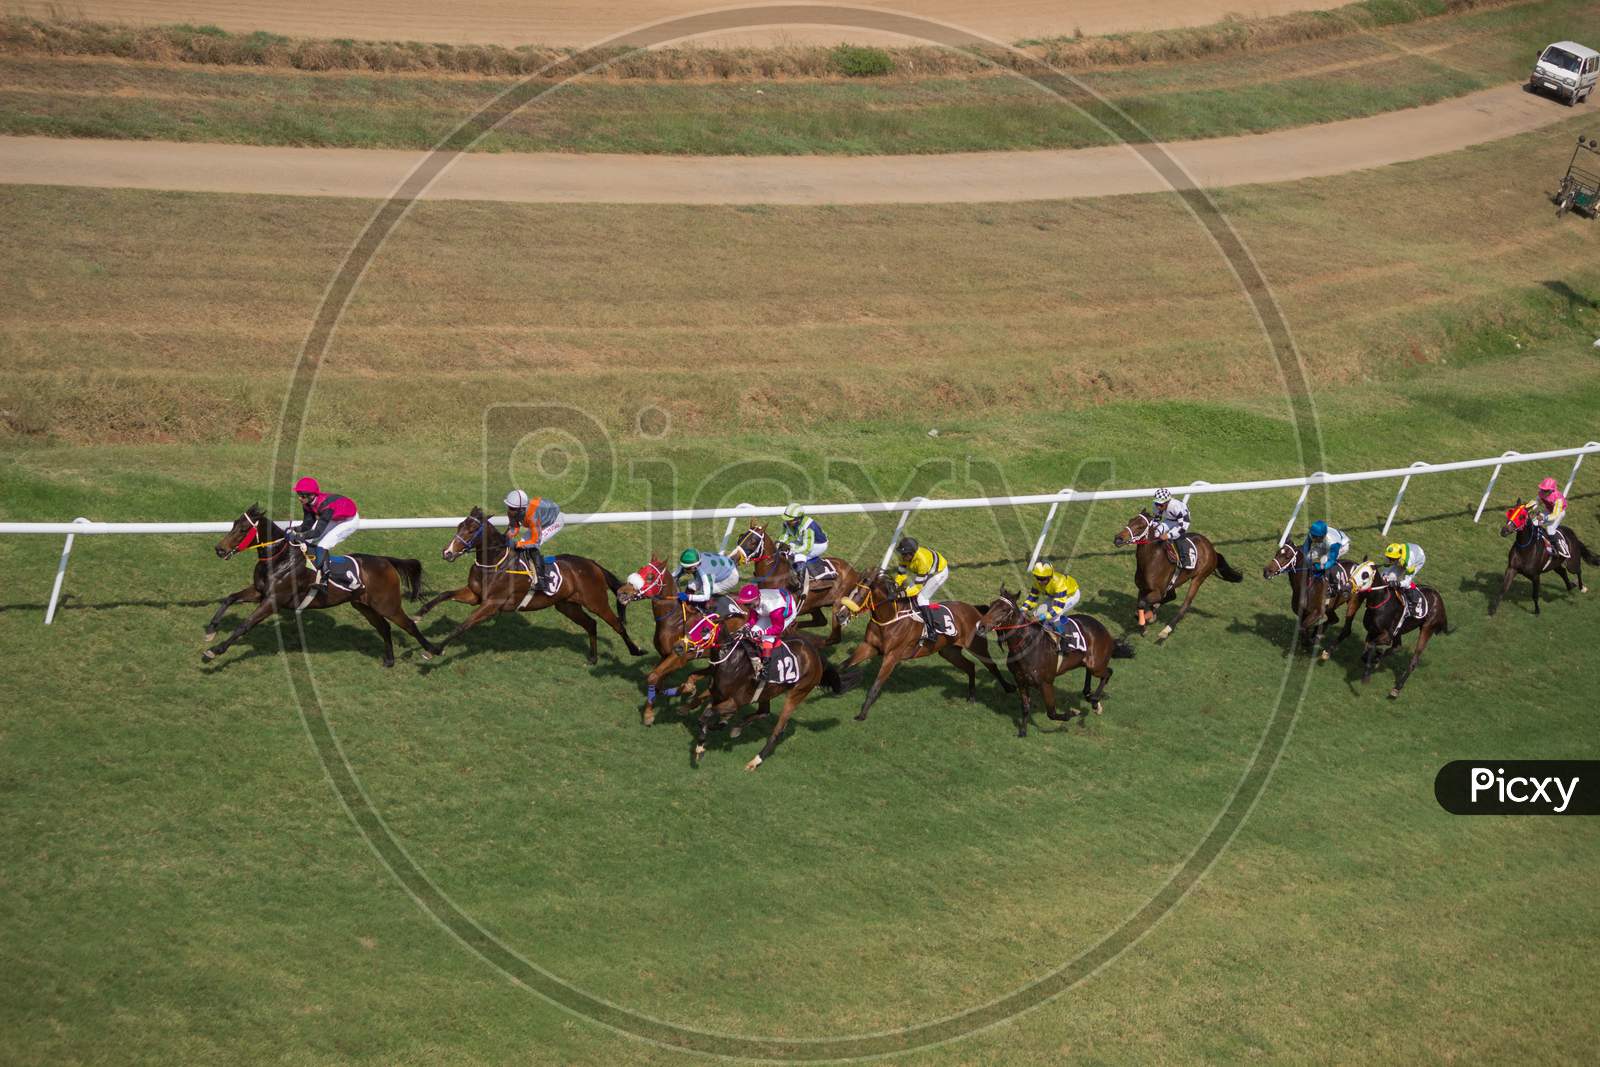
[1350,76]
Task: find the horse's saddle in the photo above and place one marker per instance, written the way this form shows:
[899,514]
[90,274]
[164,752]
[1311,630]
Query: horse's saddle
[822,572]
[1416,602]
[553,578]
[1070,638]
[944,620]
[783,666]
[344,572]
[1183,552]
[1560,547]
[1338,579]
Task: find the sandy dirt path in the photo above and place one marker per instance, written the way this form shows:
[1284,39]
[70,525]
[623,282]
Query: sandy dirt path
[583,22]
[1284,155]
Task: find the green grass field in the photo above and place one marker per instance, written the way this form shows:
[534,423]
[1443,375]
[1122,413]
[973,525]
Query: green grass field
[1350,76]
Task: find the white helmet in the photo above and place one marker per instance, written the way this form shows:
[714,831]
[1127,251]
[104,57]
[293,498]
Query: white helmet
[516,499]
[1163,495]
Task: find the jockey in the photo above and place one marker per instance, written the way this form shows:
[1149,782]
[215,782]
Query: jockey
[806,542]
[1552,503]
[328,519]
[1405,560]
[703,577]
[530,524]
[1052,597]
[921,573]
[1171,515]
[768,612]
[1324,545]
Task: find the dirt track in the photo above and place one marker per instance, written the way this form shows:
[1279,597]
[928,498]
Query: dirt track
[1285,155]
[582,22]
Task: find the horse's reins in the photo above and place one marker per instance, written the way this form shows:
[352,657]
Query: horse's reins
[253,541]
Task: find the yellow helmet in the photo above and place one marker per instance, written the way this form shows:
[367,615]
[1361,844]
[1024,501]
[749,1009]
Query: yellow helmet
[1395,551]
[1043,571]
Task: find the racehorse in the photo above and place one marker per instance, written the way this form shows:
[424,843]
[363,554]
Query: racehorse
[894,631]
[792,675]
[499,582]
[1036,659]
[1385,607]
[1155,564]
[772,568]
[283,574]
[685,632]
[1531,555]
[1313,599]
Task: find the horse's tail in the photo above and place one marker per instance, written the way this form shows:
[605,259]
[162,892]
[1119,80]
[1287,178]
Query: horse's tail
[1227,572]
[614,584]
[1121,650]
[1583,550]
[410,571]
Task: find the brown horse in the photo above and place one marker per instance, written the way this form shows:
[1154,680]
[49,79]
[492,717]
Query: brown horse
[1314,599]
[499,582]
[773,569]
[797,666]
[1036,659]
[684,631]
[1388,618]
[283,574]
[1532,554]
[894,631]
[1158,574]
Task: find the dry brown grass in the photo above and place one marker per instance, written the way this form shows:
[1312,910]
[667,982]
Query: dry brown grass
[154,316]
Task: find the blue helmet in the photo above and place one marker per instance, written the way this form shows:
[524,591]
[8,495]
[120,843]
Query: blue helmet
[1319,530]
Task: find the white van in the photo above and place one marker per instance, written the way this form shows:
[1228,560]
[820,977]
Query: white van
[1567,69]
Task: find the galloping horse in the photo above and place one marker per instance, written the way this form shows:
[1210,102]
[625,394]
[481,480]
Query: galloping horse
[1385,607]
[1154,568]
[772,568]
[894,631]
[796,668]
[282,575]
[497,583]
[1531,555]
[684,631]
[1036,659]
[1313,599]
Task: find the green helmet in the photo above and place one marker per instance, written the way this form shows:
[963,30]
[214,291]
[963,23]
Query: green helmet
[794,513]
[690,558]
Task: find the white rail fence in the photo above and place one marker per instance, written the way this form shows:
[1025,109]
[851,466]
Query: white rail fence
[906,508]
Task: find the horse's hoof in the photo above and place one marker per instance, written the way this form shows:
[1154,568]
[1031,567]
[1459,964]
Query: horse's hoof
[736,731]
[426,655]
[388,663]
[1099,709]
[208,655]
[753,764]
[211,635]
[1165,633]
[1394,694]
[1323,655]
[699,750]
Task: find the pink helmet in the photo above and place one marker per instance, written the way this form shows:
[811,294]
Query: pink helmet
[749,594]
[1548,486]
[307,485]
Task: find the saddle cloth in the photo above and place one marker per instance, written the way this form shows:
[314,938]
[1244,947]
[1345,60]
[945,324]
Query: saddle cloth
[344,572]
[944,620]
[1070,637]
[1416,602]
[1560,548]
[553,578]
[783,668]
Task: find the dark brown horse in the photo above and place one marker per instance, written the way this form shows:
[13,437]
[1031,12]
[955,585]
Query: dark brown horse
[772,568]
[1155,566]
[499,582]
[283,575]
[684,631]
[797,667]
[1532,554]
[1036,659]
[1388,618]
[894,631]
[1314,598]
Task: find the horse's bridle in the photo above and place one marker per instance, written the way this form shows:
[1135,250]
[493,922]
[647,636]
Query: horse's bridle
[745,553]
[252,540]
[1139,538]
[482,522]
[856,607]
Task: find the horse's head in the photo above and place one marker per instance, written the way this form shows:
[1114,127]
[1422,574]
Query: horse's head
[1363,576]
[244,532]
[1516,519]
[1001,612]
[469,531]
[1137,530]
[651,580]
[1287,558]
[752,544]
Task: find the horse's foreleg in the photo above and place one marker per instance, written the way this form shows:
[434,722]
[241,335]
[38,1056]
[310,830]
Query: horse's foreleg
[1505,587]
[465,595]
[1536,592]
[484,610]
[885,668]
[666,667]
[791,702]
[1027,707]
[248,595]
[267,608]
[1166,632]
[980,648]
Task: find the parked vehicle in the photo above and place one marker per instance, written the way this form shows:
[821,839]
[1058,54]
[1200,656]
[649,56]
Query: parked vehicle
[1580,189]
[1567,69]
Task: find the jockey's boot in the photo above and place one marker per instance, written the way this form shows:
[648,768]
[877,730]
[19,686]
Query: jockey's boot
[805,583]
[536,567]
[926,612]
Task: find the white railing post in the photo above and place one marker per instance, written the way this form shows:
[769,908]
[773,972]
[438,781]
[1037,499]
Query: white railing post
[1191,487]
[722,549]
[1398,497]
[1305,490]
[1044,534]
[899,528]
[61,573]
[1576,463]
[1490,487]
